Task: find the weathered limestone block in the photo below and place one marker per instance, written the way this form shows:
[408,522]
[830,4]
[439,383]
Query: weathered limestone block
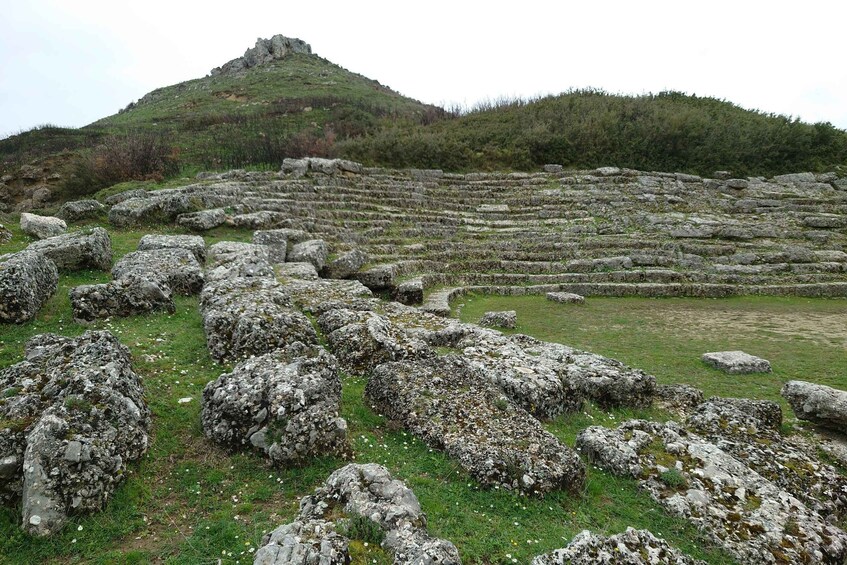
[502,319]
[319,296]
[192,243]
[128,296]
[204,220]
[314,251]
[80,210]
[566,297]
[27,280]
[276,241]
[5,234]
[303,271]
[410,292]
[86,249]
[262,219]
[72,418]
[633,547]
[752,518]
[362,340]
[356,491]
[283,404]
[178,268]
[816,403]
[247,316]
[737,362]
[447,403]
[379,277]
[679,396]
[41,227]
[346,265]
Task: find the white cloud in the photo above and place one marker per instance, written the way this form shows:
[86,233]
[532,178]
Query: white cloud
[74,62]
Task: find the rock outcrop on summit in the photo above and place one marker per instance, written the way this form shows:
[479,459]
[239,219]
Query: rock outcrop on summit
[264,52]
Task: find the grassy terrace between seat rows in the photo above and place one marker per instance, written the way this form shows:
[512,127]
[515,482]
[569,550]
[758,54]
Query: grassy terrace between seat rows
[188,501]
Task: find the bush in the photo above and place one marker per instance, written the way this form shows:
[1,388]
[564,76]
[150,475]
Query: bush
[358,527]
[134,156]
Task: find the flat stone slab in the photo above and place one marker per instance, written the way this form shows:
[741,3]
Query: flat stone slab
[566,297]
[737,362]
[177,267]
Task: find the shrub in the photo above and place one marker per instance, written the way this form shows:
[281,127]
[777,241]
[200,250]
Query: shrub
[358,527]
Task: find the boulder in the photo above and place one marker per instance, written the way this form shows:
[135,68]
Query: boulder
[177,268]
[500,319]
[229,260]
[5,235]
[27,280]
[410,292]
[73,417]
[816,403]
[126,195]
[204,220]
[41,227]
[314,251]
[356,493]
[737,362]
[448,404]
[80,210]
[86,249]
[679,396]
[283,404]
[633,547]
[246,316]
[128,296]
[565,297]
[346,265]
[192,243]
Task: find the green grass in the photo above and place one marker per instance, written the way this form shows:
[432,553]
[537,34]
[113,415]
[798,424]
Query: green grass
[803,338]
[187,501]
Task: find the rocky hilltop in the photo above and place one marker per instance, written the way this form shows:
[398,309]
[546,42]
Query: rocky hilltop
[265,51]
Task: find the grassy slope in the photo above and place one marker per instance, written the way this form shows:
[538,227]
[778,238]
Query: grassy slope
[189,502]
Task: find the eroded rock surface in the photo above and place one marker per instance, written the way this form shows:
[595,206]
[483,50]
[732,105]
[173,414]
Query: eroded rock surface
[42,227]
[73,416]
[632,547]
[501,319]
[737,362]
[747,514]
[450,405]
[86,249]
[27,280]
[129,296]
[80,210]
[816,403]
[283,404]
[319,533]
[192,243]
[178,268]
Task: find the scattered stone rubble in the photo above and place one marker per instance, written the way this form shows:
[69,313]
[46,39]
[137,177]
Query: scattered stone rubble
[450,405]
[27,280]
[283,404]
[747,514]
[816,403]
[41,227]
[319,532]
[73,416]
[632,547]
[86,249]
[737,362]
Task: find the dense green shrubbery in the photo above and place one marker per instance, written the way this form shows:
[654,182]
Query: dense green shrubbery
[664,132]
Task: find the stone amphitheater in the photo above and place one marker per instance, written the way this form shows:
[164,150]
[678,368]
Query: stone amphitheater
[296,308]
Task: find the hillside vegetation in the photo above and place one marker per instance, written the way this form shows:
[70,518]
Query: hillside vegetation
[304,105]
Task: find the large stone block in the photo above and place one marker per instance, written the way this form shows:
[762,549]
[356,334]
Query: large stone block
[27,280]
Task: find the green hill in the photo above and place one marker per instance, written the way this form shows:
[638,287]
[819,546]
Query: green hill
[292,103]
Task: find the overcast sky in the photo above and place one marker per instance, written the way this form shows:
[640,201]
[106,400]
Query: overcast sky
[72,62]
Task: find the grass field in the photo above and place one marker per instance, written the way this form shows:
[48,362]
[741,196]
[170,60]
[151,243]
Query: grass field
[188,501]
